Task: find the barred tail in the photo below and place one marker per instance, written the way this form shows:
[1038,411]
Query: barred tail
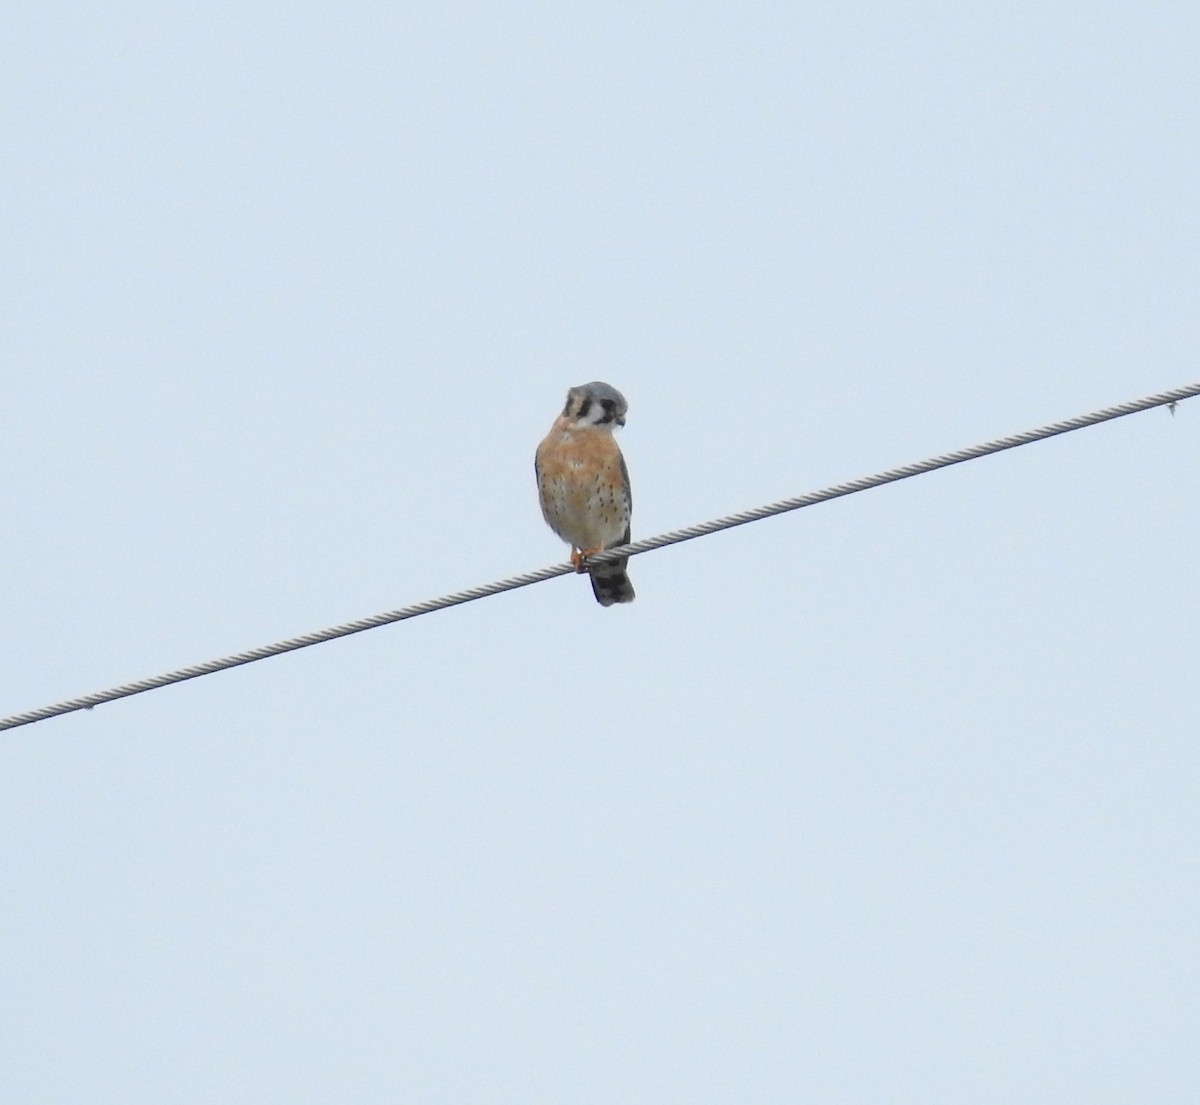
[610,583]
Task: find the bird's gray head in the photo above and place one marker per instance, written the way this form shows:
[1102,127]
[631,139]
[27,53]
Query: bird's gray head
[596,404]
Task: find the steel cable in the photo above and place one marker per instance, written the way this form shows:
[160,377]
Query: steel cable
[865,483]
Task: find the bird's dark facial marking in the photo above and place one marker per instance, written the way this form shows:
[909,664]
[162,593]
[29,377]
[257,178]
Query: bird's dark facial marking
[610,410]
[584,407]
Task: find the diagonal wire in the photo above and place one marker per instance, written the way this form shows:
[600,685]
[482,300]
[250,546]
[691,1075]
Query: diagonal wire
[865,483]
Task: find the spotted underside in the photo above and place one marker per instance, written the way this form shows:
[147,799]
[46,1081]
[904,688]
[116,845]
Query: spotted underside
[584,489]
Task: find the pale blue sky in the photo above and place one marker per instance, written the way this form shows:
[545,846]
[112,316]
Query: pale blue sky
[891,800]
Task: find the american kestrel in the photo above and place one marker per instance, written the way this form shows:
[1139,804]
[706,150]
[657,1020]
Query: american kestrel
[583,485]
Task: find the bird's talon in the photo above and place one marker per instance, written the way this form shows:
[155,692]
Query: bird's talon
[579,557]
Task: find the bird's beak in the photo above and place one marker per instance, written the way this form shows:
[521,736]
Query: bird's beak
[619,421]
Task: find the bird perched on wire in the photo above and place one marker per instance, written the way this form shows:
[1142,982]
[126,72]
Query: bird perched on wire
[583,485]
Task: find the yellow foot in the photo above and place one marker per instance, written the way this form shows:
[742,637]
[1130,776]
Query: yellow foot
[578,556]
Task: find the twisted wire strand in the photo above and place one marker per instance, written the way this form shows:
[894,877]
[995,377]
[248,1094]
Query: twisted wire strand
[836,491]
